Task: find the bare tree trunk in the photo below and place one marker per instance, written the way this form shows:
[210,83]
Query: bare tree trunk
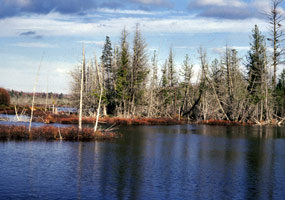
[98,110]
[16,112]
[150,103]
[266,101]
[99,74]
[33,101]
[261,111]
[46,96]
[81,90]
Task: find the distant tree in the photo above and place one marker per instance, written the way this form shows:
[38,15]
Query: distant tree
[164,89]
[171,69]
[186,73]
[60,96]
[164,79]
[153,85]
[4,97]
[154,79]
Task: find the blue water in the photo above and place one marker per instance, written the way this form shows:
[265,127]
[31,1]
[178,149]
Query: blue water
[12,120]
[150,162]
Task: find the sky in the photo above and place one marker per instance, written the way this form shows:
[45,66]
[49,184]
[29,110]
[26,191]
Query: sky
[52,32]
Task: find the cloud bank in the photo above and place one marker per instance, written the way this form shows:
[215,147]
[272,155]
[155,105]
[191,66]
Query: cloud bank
[229,9]
[10,8]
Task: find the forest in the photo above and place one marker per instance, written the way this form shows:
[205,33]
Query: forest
[127,82]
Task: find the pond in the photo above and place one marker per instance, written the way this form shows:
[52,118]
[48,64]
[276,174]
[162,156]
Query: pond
[150,162]
[24,120]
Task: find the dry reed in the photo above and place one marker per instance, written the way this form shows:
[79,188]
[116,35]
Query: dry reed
[54,133]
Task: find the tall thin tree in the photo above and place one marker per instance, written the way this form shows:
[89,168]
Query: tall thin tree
[276,38]
[81,90]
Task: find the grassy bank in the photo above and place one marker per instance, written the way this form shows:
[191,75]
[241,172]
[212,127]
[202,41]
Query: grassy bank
[54,133]
[73,119]
[47,117]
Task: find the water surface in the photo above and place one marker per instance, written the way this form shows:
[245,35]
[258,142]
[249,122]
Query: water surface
[150,162]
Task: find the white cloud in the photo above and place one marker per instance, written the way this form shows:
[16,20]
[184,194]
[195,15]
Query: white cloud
[232,3]
[63,70]
[241,48]
[211,2]
[263,5]
[221,50]
[181,47]
[129,12]
[97,43]
[34,45]
[151,2]
[54,25]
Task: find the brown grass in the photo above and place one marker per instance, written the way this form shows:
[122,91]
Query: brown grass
[140,121]
[52,133]
[73,119]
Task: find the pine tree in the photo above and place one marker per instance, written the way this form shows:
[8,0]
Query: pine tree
[153,85]
[154,80]
[256,65]
[122,82]
[164,88]
[106,62]
[164,78]
[171,69]
[257,73]
[280,91]
[186,73]
[139,70]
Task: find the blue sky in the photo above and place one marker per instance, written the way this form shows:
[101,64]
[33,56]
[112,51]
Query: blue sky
[56,29]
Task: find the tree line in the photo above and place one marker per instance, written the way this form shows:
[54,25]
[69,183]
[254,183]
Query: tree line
[129,84]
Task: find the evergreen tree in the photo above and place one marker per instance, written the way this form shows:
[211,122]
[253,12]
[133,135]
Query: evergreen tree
[164,78]
[154,79]
[164,89]
[186,73]
[256,65]
[257,76]
[171,69]
[115,64]
[106,62]
[280,92]
[139,70]
[122,82]
[152,103]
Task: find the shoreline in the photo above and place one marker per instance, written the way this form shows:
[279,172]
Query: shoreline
[48,118]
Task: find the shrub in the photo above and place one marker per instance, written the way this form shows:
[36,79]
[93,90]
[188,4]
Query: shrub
[4,97]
